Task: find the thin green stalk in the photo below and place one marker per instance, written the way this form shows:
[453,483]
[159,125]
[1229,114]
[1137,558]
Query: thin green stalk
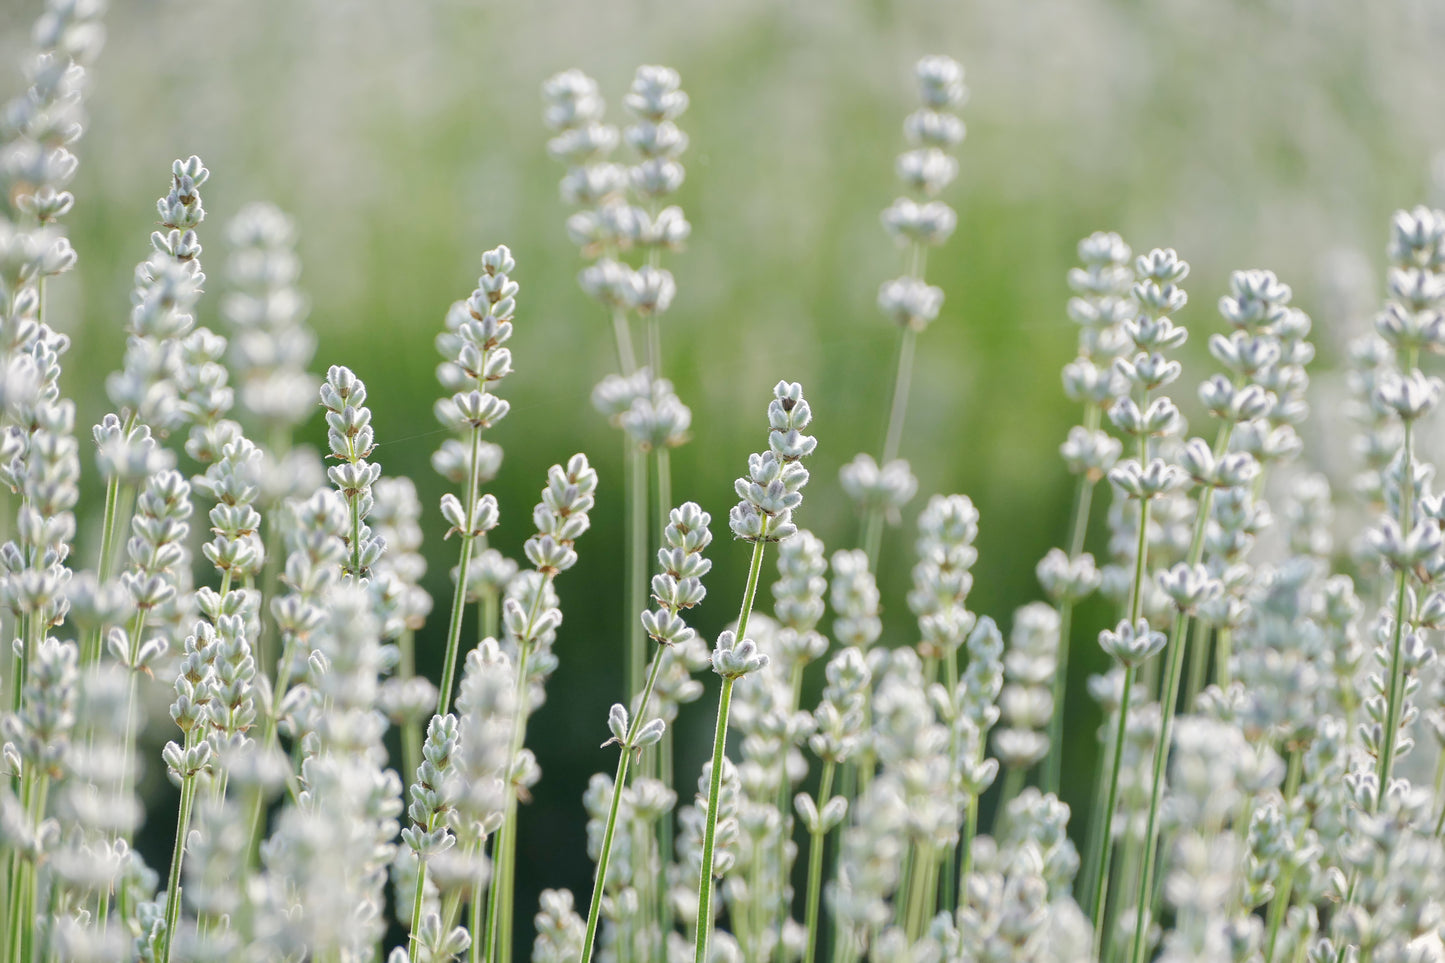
[459,596]
[921,893]
[34,789]
[950,854]
[1198,663]
[1013,781]
[355,503]
[815,866]
[1106,836]
[1395,692]
[476,921]
[410,729]
[1098,820]
[892,438]
[785,818]
[90,645]
[1224,645]
[1078,528]
[599,883]
[709,839]
[499,899]
[904,896]
[654,346]
[1168,697]
[1106,841]
[970,830]
[719,745]
[413,940]
[636,520]
[173,883]
[1277,911]
[622,335]
[491,613]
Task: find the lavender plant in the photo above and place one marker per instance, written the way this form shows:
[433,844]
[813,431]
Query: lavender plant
[1261,793]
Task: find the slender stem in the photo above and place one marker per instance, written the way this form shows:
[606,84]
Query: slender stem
[599,883]
[491,613]
[1013,781]
[1277,910]
[90,648]
[499,926]
[414,924]
[785,822]
[1098,820]
[815,866]
[892,438]
[970,830]
[1168,697]
[477,921]
[355,501]
[636,518]
[173,883]
[1395,691]
[1198,664]
[921,892]
[1078,528]
[709,839]
[654,346]
[410,729]
[464,563]
[1053,762]
[950,853]
[720,734]
[1106,840]
[626,359]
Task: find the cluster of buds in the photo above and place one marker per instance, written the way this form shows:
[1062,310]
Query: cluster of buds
[774,484]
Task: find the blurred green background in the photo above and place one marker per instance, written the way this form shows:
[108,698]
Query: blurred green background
[405,138]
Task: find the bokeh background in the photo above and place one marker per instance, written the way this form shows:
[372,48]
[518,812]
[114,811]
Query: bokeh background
[405,139]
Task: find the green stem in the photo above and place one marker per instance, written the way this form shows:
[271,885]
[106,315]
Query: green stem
[970,830]
[1106,841]
[1053,762]
[622,334]
[411,738]
[504,850]
[90,647]
[599,883]
[476,920]
[654,346]
[815,866]
[1013,781]
[709,839]
[1198,664]
[950,853]
[355,501]
[417,897]
[636,519]
[1395,691]
[1277,911]
[720,734]
[1078,528]
[464,563]
[491,613]
[1168,697]
[173,883]
[892,438]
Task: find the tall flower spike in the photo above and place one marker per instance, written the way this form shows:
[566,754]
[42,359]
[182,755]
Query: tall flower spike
[773,486]
[880,488]
[270,345]
[350,438]
[769,494]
